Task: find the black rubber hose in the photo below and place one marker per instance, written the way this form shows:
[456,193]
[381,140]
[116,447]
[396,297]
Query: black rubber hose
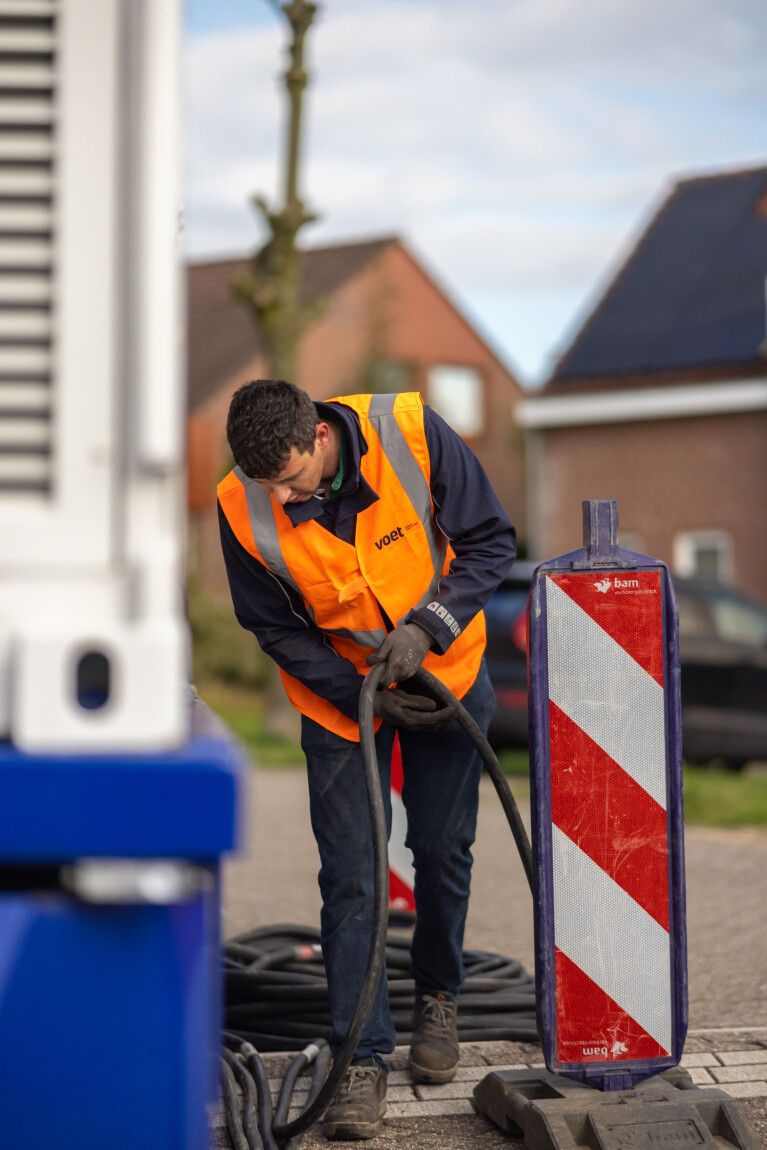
[249,1100]
[264,1095]
[342,1060]
[321,1066]
[232,1108]
[284,1131]
[286,1090]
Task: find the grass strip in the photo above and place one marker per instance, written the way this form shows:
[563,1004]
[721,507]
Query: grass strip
[712,797]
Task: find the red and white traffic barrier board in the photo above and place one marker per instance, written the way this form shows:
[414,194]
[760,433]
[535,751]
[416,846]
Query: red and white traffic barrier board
[401,874]
[610,958]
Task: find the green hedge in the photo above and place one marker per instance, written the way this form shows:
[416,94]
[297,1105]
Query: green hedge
[222,651]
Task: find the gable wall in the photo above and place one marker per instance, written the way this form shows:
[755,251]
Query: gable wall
[668,476]
[393,311]
[426,325]
[335,347]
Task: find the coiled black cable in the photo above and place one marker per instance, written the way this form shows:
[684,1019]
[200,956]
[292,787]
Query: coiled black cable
[276,995]
[280,1000]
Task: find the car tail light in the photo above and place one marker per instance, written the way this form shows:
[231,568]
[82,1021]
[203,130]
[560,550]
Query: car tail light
[511,697]
[519,632]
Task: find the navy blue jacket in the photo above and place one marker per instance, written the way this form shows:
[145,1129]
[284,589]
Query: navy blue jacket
[468,513]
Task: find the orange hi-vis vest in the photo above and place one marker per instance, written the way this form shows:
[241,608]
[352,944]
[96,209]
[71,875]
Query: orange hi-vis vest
[396,561]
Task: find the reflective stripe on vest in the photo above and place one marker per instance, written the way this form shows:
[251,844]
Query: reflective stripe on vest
[266,539]
[413,480]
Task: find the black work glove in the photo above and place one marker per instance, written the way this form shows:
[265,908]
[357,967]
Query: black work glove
[403,651]
[415,712]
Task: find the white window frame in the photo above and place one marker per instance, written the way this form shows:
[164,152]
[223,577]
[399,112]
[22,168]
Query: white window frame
[452,373]
[687,544]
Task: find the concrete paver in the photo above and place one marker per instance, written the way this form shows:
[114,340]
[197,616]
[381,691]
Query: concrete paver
[691,1061]
[701,1076]
[743,1057]
[728,1074]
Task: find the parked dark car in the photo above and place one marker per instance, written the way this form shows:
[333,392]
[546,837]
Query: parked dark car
[723,648]
[506,656]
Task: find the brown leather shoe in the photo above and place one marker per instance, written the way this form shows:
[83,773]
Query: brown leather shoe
[434,1049]
[358,1106]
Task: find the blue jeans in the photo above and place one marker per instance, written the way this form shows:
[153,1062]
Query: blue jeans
[441,773]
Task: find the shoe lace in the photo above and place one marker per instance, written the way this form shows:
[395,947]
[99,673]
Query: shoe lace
[357,1079]
[435,1015]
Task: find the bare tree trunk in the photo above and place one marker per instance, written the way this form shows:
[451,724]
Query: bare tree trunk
[271,288]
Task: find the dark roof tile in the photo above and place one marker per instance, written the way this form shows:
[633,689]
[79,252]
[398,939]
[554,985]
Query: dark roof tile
[691,294]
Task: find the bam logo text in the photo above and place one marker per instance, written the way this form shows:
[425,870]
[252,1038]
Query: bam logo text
[604,585]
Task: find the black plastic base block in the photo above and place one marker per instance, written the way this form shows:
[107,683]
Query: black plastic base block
[665,1112]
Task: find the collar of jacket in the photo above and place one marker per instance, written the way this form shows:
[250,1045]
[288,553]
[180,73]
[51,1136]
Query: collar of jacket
[356,493]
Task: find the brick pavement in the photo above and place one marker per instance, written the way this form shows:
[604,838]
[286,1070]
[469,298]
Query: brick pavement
[737,1065]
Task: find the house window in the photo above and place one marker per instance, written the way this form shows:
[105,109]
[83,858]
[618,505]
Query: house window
[456,394]
[704,553]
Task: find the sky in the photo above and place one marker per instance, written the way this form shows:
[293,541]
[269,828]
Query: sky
[517,147]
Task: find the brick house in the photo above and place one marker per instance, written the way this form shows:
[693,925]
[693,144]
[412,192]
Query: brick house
[382,324]
[660,401]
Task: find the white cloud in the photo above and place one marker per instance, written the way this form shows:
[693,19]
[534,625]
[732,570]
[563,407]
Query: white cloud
[516,144]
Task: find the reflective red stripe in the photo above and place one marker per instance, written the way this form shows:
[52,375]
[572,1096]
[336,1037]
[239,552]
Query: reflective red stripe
[589,1022]
[608,815]
[401,894]
[636,625]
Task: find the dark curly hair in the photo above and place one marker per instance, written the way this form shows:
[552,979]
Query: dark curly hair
[267,418]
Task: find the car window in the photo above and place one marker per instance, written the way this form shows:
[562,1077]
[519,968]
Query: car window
[504,606]
[737,621]
[694,616]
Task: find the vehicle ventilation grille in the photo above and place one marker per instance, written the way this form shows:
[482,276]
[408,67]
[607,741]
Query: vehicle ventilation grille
[27,199]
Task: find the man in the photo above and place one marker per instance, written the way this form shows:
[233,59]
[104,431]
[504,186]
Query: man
[358,531]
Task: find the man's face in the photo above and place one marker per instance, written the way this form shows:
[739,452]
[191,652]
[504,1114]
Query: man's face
[299,478]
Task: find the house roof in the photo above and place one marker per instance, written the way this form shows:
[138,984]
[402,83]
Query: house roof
[690,297]
[223,335]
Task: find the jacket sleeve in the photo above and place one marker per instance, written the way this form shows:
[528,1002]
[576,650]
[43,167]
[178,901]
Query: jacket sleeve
[470,515]
[278,618]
